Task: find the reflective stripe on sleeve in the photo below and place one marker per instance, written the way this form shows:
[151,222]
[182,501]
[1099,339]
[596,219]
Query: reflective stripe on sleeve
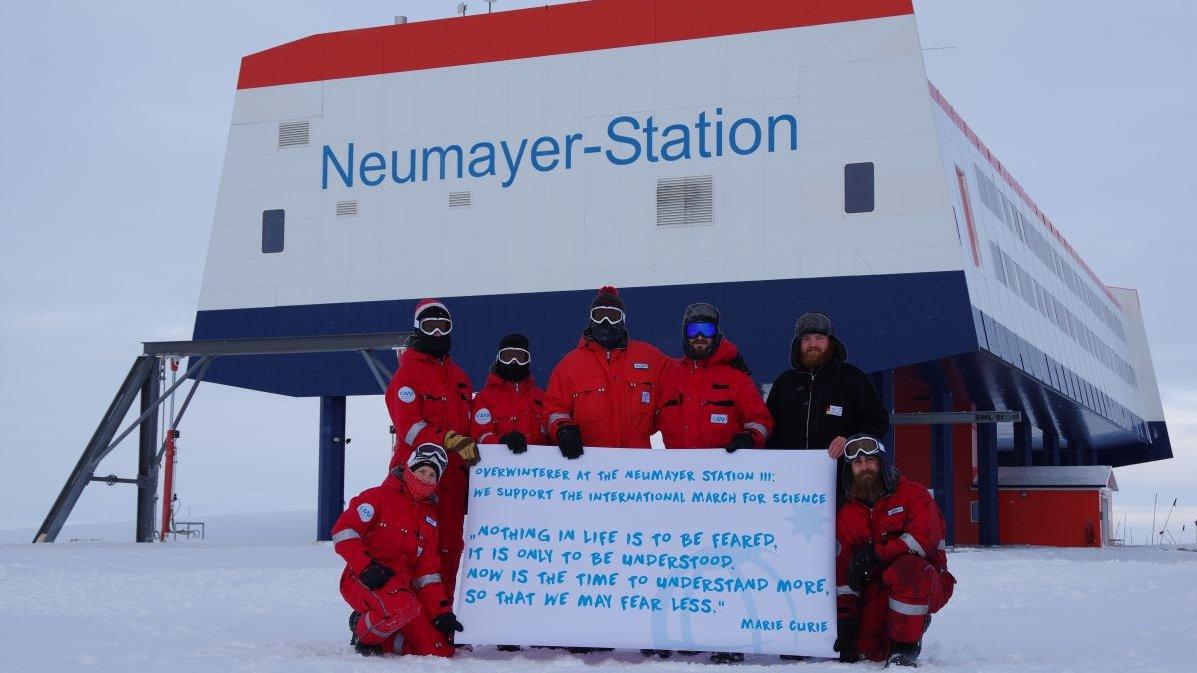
[424,580]
[347,534]
[913,544]
[907,609]
[415,429]
[482,439]
[845,590]
[758,427]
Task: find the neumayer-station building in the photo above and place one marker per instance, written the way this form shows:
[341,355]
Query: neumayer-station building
[769,157]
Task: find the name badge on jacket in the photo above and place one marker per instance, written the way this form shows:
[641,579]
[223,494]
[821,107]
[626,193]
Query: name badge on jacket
[833,410]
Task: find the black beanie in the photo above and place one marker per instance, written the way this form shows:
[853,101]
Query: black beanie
[515,340]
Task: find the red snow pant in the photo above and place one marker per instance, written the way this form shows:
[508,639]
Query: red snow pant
[392,617]
[899,607]
[452,494]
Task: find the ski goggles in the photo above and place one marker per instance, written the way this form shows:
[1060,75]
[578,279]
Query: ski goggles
[514,356]
[608,314]
[697,329]
[858,447]
[435,326]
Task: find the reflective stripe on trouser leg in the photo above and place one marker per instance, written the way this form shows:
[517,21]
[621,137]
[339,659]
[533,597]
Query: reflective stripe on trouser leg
[907,608]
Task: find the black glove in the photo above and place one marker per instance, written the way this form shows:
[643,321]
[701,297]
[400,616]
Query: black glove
[741,440]
[516,441]
[845,641]
[864,567]
[569,440]
[448,624]
[375,575]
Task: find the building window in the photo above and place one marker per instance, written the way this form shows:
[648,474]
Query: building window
[974,511]
[272,230]
[858,188]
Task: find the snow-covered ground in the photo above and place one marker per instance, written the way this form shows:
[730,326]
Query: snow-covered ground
[231,606]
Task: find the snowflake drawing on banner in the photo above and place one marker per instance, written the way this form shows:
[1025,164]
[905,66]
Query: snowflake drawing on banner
[808,521]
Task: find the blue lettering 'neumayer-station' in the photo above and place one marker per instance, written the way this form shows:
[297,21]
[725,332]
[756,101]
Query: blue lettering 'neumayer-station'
[628,140]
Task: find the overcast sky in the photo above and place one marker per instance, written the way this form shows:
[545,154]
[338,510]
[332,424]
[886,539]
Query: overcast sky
[115,117]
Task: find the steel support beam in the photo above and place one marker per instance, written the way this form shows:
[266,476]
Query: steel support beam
[96,449]
[1024,450]
[329,343]
[942,467]
[330,499]
[987,484]
[147,454]
[883,381]
[1051,447]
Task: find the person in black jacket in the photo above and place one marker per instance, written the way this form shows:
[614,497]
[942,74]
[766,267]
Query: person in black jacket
[822,400]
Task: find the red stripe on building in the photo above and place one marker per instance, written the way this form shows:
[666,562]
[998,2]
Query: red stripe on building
[997,166]
[540,31]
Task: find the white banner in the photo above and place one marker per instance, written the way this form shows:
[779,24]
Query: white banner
[680,550]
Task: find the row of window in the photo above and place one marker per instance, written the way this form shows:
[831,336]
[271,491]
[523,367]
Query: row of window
[997,203]
[1017,279]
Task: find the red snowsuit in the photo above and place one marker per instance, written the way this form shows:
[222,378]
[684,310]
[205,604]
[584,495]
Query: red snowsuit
[387,524]
[607,394]
[907,530]
[701,404]
[503,406]
[426,397]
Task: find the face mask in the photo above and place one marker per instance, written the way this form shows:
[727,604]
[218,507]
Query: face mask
[607,335]
[512,372]
[417,488]
[436,346]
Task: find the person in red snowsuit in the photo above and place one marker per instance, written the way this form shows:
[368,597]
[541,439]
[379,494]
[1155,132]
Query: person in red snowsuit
[602,392]
[510,409]
[429,402]
[388,538]
[891,566]
[707,398]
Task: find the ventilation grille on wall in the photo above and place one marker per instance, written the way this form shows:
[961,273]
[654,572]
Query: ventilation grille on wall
[293,134]
[460,200]
[688,200]
[347,208]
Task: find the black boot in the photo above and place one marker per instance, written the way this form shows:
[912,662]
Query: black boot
[903,654]
[509,648]
[664,654]
[727,658]
[353,617]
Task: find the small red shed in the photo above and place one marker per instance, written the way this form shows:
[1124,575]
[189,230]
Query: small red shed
[1057,506]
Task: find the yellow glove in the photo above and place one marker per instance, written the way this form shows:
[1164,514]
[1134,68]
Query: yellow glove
[462,446]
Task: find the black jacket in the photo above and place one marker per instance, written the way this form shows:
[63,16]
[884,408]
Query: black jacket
[811,408]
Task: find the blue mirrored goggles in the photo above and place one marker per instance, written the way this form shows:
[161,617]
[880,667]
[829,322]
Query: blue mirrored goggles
[706,329]
[862,446]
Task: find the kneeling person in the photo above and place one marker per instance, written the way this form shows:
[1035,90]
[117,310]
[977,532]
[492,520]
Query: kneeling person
[891,568]
[388,538]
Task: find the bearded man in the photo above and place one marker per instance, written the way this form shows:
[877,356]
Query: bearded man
[822,400]
[891,568]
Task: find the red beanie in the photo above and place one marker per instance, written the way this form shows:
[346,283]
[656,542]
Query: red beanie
[430,305]
[608,295]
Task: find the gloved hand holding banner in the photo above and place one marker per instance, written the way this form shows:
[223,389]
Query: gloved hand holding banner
[682,550]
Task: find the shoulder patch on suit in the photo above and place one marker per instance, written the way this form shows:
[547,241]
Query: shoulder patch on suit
[407,395]
[365,512]
[482,416]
